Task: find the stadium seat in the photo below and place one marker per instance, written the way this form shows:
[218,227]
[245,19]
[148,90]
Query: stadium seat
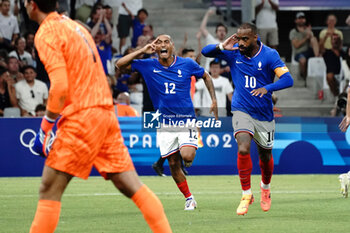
[12,112]
[316,74]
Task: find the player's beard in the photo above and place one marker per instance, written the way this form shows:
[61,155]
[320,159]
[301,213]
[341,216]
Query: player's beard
[247,50]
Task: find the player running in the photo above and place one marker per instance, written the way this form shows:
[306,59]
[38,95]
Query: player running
[253,69]
[168,80]
[88,132]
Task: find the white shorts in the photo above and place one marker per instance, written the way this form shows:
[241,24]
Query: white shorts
[262,131]
[171,140]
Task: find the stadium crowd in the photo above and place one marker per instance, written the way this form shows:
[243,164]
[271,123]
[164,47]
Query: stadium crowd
[24,83]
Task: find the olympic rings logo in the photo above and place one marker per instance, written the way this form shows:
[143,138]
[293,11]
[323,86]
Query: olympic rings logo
[29,144]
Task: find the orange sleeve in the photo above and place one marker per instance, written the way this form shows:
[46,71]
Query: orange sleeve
[50,53]
[58,90]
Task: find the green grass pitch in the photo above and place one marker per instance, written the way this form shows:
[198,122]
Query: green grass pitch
[300,203]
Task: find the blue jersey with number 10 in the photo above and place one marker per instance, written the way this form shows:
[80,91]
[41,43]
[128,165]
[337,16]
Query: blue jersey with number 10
[249,74]
[169,87]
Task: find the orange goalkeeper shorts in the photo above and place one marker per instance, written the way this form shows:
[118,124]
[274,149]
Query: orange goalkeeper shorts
[91,137]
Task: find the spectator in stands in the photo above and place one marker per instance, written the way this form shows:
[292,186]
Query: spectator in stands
[142,41]
[223,89]
[30,92]
[9,30]
[14,7]
[40,110]
[7,91]
[332,58]
[29,36]
[109,14]
[220,35]
[125,20]
[13,67]
[3,58]
[266,11]
[138,23]
[326,34]
[103,40]
[148,31]
[190,53]
[123,106]
[97,17]
[304,43]
[24,58]
[344,124]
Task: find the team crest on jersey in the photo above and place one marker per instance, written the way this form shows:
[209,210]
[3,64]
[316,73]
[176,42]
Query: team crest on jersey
[179,73]
[259,65]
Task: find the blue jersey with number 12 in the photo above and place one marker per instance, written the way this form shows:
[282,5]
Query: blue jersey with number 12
[169,87]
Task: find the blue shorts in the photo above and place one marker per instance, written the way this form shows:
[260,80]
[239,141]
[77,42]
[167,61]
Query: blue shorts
[307,54]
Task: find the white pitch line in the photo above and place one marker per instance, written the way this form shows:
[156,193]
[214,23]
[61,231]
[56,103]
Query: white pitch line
[173,193]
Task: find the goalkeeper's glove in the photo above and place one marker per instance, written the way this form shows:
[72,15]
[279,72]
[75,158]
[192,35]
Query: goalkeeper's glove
[44,137]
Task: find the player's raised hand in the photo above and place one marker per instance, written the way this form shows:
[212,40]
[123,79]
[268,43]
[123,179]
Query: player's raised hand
[214,109]
[259,92]
[230,42]
[344,124]
[150,48]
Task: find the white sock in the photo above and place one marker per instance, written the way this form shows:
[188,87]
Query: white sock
[264,186]
[249,191]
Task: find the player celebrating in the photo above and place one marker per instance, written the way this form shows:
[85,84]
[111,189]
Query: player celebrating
[253,68]
[168,80]
[88,132]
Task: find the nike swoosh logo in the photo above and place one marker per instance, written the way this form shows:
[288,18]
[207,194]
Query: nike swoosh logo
[238,62]
[156,71]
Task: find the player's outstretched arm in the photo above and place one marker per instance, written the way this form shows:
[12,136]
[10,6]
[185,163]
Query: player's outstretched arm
[346,120]
[209,83]
[126,60]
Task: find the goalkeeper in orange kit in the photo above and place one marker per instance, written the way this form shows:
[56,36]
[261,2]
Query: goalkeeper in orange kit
[88,132]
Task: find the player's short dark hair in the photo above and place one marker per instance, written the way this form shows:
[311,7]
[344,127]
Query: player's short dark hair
[142,10]
[220,25]
[40,107]
[214,62]
[28,67]
[107,7]
[46,6]
[250,26]
[186,51]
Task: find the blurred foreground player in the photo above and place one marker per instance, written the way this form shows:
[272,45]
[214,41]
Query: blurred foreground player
[253,68]
[88,132]
[168,80]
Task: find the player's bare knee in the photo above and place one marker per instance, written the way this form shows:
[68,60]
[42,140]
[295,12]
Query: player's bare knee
[244,150]
[44,187]
[188,156]
[173,163]
[188,153]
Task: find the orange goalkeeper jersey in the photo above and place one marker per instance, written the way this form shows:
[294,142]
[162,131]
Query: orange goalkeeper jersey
[71,59]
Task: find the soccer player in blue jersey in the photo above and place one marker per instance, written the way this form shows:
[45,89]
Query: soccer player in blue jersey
[253,69]
[168,79]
